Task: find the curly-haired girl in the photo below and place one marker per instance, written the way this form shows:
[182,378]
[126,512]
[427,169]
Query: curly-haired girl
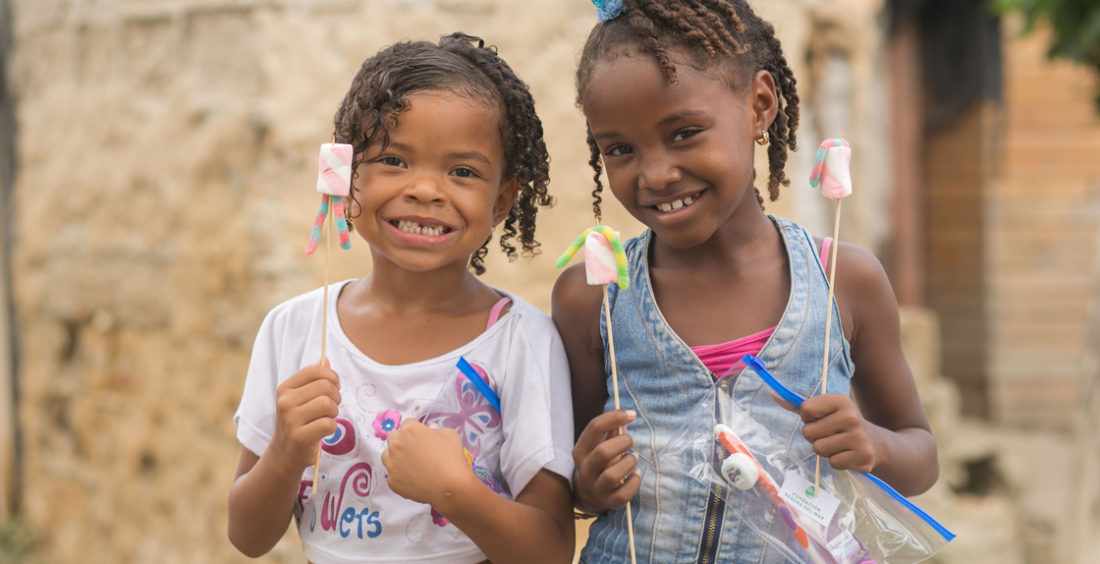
[447,145]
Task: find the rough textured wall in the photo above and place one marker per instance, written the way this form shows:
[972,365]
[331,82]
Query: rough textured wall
[166,158]
[1043,251]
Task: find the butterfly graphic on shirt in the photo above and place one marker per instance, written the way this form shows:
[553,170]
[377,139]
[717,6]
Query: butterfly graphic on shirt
[466,411]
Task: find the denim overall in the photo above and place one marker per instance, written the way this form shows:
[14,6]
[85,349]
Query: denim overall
[676,517]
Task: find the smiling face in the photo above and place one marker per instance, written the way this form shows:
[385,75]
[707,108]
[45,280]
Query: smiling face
[678,157]
[430,198]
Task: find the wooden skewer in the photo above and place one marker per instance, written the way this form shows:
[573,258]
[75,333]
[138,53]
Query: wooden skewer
[324,322]
[615,393]
[828,321]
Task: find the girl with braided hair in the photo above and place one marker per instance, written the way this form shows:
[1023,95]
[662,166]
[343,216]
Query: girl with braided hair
[447,145]
[678,94]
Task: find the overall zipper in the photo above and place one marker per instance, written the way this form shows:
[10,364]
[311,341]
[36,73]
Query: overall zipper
[716,510]
[712,526]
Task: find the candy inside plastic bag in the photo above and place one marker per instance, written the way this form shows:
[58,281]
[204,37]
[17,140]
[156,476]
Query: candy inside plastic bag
[850,518]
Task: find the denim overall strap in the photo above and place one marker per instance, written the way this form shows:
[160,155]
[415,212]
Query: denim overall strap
[664,382]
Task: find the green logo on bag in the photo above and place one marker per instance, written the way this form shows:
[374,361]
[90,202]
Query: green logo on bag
[811,491]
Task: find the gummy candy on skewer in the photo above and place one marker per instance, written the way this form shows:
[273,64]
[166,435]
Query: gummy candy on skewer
[604,259]
[831,173]
[830,170]
[604,264]
[333,183]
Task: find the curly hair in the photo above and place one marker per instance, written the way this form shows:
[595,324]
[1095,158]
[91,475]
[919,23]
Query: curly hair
[722,34]
[462,64]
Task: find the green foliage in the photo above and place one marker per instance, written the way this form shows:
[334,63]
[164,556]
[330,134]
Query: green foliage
[1075,24]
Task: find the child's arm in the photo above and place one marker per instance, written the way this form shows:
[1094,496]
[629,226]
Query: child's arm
[261,500]
[427,465]
[600,452]
[888,435]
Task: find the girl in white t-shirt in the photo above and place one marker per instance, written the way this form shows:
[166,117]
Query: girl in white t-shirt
[447,145]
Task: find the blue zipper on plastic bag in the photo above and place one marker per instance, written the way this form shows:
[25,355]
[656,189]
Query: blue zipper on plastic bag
[479,383]
[796,400]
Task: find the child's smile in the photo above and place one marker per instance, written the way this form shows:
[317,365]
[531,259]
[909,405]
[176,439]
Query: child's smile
[428,229]
[678,203]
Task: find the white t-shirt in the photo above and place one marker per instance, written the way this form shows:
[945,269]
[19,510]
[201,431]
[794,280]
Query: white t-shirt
[354,516]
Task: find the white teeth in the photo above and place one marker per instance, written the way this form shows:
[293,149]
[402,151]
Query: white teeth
[675,205]
[411,227]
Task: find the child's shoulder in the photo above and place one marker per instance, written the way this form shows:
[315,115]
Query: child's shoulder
[572,292]
[304,306]
[861,268]
[526,315]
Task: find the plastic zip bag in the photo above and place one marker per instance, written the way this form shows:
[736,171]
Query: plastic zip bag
[468,404]
[878,502]
[852,518]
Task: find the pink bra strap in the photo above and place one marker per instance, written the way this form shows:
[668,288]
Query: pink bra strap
[825,244]
[494,314]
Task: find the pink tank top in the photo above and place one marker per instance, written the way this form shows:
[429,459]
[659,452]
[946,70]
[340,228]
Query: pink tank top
[724,359]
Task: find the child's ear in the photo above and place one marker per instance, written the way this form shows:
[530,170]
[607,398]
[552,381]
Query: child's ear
[765,100]
[506,196]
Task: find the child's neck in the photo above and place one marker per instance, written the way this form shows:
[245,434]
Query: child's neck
[440,290]
[736,247]
[404,317]
[727,288]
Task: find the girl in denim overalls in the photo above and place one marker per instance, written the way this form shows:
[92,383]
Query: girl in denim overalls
[678,95]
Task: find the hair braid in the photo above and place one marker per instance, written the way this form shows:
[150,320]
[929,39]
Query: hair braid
[782,129]
[524,148]
[715,33]
[594,162]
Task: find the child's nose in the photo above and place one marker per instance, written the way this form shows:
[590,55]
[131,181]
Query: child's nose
[425,188]
[658,172]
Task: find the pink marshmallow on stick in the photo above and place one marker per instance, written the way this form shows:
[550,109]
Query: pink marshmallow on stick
[605,263]
[831,173]
[334,183]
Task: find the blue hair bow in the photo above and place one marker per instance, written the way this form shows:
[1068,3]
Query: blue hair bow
[608,9]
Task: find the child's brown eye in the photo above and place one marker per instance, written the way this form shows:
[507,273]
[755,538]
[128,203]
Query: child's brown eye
[684,134]
[617,150]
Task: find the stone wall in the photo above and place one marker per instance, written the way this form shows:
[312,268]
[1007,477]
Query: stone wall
[165,190]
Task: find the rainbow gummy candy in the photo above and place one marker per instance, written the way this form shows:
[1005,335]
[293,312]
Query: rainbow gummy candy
[604,258]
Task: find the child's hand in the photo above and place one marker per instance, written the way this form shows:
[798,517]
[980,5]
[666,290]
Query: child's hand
[426,464]
[606,474]
[305,407]
[837,431]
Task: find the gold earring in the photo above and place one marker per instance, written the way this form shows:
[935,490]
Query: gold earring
[763,139]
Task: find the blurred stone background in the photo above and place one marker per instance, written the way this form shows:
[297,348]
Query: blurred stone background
[157,161]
